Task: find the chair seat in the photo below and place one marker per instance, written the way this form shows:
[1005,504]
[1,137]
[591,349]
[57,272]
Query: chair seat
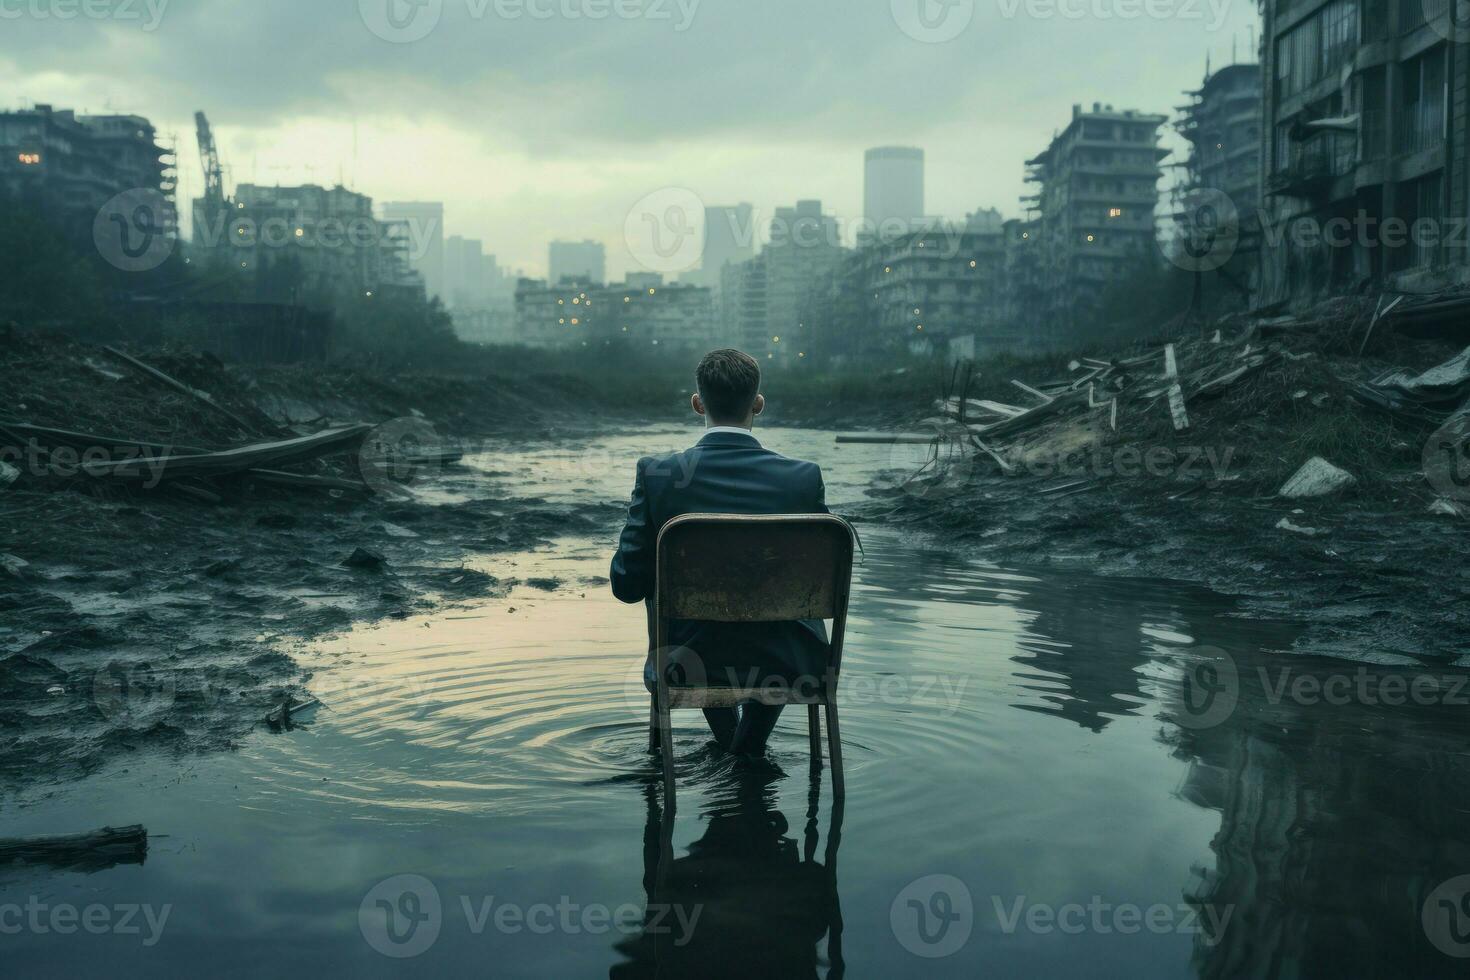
[728,697]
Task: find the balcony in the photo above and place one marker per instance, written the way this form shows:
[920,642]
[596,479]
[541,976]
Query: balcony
[1314,163]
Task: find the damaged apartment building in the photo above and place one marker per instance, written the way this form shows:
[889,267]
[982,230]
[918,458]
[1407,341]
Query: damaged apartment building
[1091,222]
[1363,146]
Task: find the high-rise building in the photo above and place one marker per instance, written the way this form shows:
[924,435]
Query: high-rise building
[1223,127]
[729,236]
[312,245]
[424,221]
[464,268]
[1363,137]
[585,260]
[1094,212]
[804,251]
[893,191]
[70,166]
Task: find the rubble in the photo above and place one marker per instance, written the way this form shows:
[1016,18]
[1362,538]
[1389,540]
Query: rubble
[1316,478]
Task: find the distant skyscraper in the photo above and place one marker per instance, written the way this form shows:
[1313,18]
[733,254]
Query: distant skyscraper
[893,189]
[425,224]
[729,236]
[464,284]
[578,260]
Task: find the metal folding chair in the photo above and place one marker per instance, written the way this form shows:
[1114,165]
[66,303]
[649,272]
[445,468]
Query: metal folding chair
[733,568]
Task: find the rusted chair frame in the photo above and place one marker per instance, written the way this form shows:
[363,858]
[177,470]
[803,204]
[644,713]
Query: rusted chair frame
[661,734]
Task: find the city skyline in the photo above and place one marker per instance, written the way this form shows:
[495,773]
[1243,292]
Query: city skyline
[561,160]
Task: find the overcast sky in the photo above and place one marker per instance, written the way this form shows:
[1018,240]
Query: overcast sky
[540,119]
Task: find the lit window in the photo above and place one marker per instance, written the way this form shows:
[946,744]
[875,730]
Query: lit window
[300,232]
[919,327]
[651,291]
[627,299]
[30,159]
[576,300]
[775,340]
[972,263]
[1025,234]
[575,321]
[1089,238]
[1115,212]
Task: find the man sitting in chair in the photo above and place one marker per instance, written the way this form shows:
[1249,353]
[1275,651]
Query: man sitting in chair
[727,472]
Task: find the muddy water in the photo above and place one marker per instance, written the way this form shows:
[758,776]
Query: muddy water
[1048,774]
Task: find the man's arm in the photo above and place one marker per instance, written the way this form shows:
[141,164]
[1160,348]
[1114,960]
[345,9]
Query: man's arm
[632,566]
[821,504]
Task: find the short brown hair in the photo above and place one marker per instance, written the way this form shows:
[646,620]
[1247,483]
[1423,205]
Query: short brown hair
[728,381]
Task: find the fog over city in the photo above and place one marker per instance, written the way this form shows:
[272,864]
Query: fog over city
[532,128]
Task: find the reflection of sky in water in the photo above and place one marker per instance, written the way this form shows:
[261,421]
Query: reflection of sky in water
[1014,730]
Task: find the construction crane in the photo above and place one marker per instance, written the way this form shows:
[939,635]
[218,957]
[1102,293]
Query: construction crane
[214,176]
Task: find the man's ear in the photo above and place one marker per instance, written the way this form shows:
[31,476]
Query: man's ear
[759,406]
[696,404]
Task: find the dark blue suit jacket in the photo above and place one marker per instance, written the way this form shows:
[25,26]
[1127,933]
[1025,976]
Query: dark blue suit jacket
[725,473]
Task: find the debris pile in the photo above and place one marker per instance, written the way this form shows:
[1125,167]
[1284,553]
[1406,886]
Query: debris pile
[1315,465]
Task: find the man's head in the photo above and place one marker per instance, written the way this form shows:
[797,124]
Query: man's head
[729,384]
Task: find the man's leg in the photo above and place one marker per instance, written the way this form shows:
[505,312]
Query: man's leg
[723,724]
[756,722]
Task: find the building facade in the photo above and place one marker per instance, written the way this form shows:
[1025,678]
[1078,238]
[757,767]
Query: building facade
[70,166]
[939,289]
[1363,143]
[641,312]
[423,224]
[1093,213]
[804,251]
[310,245]
[1218,201]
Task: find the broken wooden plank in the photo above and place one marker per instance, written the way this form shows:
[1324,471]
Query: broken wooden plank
[1034,417]
[1176,393]
[1005,467]
[880,439]
[93,851]
[254,456]
[1031,391]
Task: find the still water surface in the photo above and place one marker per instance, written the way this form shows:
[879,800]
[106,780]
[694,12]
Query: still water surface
[1048,774]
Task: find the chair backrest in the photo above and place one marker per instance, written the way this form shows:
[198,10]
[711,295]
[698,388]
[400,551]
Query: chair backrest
[737,568]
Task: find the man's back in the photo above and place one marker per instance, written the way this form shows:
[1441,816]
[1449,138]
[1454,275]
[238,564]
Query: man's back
[725,473]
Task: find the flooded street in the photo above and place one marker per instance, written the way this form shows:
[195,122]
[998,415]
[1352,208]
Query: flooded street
[1048,774]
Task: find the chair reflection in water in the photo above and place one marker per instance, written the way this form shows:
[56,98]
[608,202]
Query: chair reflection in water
[729,568]
[747,901]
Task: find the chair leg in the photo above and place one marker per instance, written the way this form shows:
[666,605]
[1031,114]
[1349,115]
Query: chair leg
[834,741]
[666,737]
[814,729]
[652,723]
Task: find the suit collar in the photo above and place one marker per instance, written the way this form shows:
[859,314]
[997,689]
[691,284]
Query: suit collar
[728,435]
